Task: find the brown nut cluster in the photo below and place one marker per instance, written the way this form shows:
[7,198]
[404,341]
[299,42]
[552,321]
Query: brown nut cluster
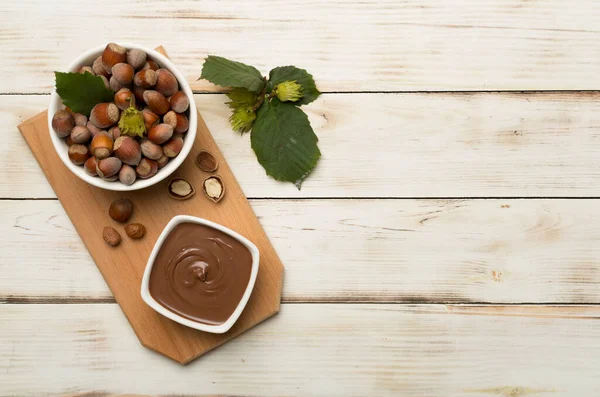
[121,211]
[96,142]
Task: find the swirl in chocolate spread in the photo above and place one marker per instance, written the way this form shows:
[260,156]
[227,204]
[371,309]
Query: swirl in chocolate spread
[200,273]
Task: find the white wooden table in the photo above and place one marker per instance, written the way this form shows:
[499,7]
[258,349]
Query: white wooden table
[447,244]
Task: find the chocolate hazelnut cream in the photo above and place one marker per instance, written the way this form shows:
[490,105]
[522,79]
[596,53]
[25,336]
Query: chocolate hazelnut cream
[200,273]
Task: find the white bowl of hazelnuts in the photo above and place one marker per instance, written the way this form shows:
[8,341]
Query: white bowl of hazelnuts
[93,146]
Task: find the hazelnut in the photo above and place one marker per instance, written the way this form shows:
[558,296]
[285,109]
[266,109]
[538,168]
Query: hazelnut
[151,150]
[104,115]
[150,64]
[145,78]
[123,72]
[160,133]
[127,175]
[105,81]
[98,68]
[69,141]
[80,119]
[157,102]
[90,166]
[147,168]
[150,118]
[138,92]
[179,122]
[162,161]
[123,98]
[80,134]
[114,132]
[116,85]
[213,188]
[170,118]
[135,230]
[63,123]
[108,167]
[78,154]
[180,189]
[113,178]
[173,146]
[206,161]
[166,83]
[120,210]
[127,150]
[113,54]
[183,124]
[93,129]
[179,102]
[136,58]
[102,146]
[85,69]
[111,236]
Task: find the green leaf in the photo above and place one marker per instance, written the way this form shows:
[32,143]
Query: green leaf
[284,142]
[222,71]
[81,92]
[300,76]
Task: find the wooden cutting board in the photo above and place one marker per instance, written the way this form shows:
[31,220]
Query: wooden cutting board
[122,267]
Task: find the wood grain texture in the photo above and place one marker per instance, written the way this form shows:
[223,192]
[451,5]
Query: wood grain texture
[123,267]
[347,45]
[314,350]
[395,145]
[496,251]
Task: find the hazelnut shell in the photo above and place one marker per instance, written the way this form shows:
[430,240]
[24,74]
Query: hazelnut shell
[123,72]
[173,146]
[151,150]
[63,123]
[102,145]
[179,102]
[180,189]
[206,161]
[160,133]
[78,154]
[127,150]
[127,175]
[145,78]
[104,115]
[147,168]
[166,83]
[113,54]
[108,167]
[157,102]
[120,210]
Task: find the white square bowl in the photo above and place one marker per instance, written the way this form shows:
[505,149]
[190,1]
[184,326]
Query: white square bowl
[215,329]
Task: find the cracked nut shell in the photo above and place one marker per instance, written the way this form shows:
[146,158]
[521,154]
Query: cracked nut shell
[214,188]
[180,189]
[206,161]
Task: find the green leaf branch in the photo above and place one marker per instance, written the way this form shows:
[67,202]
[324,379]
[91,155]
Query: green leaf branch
[282,138]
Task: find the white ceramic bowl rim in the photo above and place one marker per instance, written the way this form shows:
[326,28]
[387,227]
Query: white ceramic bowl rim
[216,329]
[62,149]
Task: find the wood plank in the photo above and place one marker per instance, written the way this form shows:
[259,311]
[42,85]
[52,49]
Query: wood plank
[498,251]
[395,145]
[347,45]
[314,350]
[123,268]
